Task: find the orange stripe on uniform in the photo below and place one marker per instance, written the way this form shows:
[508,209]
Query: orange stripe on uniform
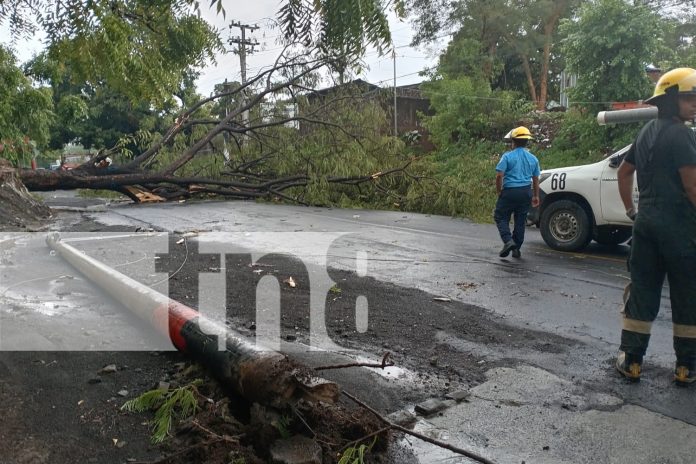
[634,325]
[684,331]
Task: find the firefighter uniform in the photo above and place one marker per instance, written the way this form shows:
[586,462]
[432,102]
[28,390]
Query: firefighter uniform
[664,239]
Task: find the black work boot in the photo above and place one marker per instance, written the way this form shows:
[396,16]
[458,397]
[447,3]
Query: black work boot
[629,365]
[685,373]
[507,248]
[516,253]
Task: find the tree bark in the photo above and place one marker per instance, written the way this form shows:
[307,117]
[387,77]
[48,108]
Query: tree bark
[549,27]
[530,78]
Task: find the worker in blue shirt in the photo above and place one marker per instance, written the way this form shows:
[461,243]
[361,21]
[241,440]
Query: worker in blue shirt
[517,184]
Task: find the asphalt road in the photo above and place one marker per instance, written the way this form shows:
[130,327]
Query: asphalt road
[533,406]
[570,294]
[576,295]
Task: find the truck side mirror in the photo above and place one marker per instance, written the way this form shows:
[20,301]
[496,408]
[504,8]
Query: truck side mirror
[615,161]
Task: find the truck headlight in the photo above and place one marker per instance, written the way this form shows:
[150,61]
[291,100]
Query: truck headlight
[544,176]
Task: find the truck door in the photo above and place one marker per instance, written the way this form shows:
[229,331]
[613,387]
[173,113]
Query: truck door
[613,211]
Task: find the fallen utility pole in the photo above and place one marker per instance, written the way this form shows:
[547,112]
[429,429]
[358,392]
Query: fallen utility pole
[626,116]
[256,374]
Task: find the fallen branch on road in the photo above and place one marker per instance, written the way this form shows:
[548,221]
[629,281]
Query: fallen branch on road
[441,444]
[386,362]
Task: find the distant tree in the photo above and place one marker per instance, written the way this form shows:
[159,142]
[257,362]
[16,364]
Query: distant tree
[668,7]
[608,47]
[97,116]
[511,40]
[680,38]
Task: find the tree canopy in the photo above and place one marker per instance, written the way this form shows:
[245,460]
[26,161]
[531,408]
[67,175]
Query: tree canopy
[139,48]
[608,47]
[96,115]
[511,41]
[25,111]
[342,27]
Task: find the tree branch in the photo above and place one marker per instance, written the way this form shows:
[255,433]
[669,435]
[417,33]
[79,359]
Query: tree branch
[441,444]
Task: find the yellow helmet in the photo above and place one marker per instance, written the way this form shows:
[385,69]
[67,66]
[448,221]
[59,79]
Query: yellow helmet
[684,79]
[520,133]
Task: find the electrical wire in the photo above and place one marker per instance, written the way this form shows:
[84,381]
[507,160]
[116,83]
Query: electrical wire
[169,277]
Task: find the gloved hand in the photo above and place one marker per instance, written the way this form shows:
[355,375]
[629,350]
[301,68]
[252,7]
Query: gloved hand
[631,213]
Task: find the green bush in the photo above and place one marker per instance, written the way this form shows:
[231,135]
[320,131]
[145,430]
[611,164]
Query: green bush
[581,140]
[461,182]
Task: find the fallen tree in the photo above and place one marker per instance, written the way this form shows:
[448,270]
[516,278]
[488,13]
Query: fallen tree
[162,172]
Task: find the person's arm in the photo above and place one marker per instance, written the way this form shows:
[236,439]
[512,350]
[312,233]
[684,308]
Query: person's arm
[535,191]
[625,176]
[688,178]
[500,169]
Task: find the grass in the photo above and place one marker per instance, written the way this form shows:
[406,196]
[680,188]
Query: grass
[169,405]
[356,454]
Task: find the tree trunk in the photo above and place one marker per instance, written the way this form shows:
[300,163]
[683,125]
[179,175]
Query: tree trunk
[530,78]
[549,27]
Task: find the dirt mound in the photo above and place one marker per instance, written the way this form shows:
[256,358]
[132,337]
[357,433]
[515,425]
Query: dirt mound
[19,210]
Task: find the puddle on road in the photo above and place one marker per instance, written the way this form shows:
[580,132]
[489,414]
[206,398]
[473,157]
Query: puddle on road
[43,295]
[20,304]
[427,453]
[401,374]
[389,372]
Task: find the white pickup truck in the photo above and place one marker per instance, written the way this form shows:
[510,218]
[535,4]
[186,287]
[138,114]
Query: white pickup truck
[579,204]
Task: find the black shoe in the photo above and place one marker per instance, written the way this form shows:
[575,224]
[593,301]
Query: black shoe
[516,253]
[507,248]
[629,365]
[685,374]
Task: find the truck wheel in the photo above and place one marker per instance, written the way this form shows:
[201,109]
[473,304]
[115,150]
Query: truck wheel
[608,235]
[565,226]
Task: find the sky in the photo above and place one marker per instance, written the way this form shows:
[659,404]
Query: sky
[262,13]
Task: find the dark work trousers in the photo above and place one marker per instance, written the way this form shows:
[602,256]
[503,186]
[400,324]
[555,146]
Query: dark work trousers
[664,244]
[515,202]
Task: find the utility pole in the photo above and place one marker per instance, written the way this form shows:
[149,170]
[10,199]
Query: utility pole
[396,134]
[226,135]
[242,44]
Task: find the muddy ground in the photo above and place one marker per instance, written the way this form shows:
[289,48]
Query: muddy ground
[19,210]
[58,408]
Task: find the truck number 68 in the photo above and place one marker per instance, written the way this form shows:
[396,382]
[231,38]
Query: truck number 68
[558,182]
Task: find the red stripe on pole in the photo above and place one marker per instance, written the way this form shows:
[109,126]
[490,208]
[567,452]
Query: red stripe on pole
[169,320]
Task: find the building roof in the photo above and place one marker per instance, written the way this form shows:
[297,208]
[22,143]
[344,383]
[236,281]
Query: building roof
[354,83]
